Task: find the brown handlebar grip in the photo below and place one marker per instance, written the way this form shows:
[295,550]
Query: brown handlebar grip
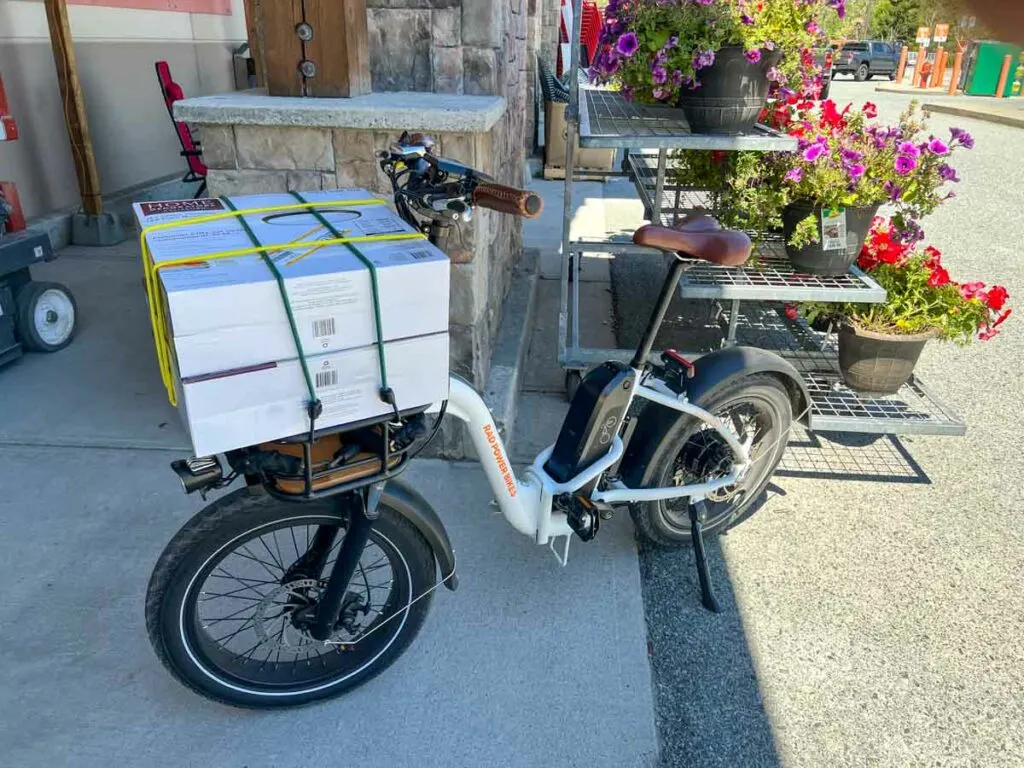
[517,202]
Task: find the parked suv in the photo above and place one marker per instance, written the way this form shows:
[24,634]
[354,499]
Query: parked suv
[866,58]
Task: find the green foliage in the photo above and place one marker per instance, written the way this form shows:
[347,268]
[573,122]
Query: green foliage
[912,305]
[896,20]
[745,188]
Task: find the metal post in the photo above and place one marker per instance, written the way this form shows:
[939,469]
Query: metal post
[659,188]
[572,125]
[958,64]
[1004,75]
[734,318]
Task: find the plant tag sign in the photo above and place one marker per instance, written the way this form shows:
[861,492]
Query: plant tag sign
[833,229]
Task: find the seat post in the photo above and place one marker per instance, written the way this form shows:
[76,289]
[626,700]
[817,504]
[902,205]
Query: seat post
[643,351]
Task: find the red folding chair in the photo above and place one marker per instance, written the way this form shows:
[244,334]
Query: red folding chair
[190,148]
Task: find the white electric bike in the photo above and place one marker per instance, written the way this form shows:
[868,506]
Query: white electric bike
[319,573]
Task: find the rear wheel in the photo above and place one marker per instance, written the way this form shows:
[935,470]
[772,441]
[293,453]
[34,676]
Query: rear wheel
[225,600]
[862,73]
[759,411]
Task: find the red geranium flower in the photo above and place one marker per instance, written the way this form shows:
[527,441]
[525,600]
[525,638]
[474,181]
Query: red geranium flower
[939,277]
[791,311]
[870,111]
[996,298]
[934,257]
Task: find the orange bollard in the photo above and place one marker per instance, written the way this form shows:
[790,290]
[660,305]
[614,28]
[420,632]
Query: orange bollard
[943,62]
[954,81]
[902,69]
[1004,76]
[934,81]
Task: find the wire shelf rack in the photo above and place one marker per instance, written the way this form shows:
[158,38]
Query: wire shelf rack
[834,406]
[866,458]
[606,119]
[767,277]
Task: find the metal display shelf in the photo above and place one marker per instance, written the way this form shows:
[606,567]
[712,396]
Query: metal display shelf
[603,118]
[834,406]
[607,120]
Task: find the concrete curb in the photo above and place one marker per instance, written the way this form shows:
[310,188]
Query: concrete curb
[1002,117]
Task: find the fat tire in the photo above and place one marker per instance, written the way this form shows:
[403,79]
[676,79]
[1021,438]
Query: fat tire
[648,517]
[25,302]
[227,518]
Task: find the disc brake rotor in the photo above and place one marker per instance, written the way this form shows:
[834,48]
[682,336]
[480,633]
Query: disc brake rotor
[286,598]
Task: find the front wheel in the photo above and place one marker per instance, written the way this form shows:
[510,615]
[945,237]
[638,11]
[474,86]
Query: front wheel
[759,411]
[224,604]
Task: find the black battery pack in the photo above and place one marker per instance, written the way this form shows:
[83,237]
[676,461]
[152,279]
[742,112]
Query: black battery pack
[594,418]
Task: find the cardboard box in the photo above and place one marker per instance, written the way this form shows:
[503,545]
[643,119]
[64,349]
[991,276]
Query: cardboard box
[556,131]
[245,407]
[228,313]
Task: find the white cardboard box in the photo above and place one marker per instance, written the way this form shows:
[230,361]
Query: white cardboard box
[228,313]
[267,402]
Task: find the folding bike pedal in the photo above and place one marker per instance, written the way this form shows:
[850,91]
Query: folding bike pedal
[699,516]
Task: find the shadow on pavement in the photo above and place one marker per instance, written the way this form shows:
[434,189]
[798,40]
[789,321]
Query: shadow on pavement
[707,697]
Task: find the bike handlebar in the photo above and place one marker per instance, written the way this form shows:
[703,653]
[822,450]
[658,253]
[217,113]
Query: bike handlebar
[517,202]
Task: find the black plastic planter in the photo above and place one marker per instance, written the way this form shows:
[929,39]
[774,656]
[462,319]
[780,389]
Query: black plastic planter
[877,363]
[813,259]
[732,94]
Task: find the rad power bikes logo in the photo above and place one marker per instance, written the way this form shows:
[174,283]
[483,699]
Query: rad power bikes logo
[499,457]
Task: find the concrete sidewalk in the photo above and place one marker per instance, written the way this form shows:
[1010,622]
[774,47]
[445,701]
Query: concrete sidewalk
[527,664]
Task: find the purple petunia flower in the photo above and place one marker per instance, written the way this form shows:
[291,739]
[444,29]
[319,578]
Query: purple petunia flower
[661,93]
[796,175]
[962,137]
[839,6]
[705,2]
[746,19]
[659,74]
[948,173]
[813,152]
[938,147]
[703,59]
[851,155]
[774,75]
[753,56]
[628,44]
[677,78]
[856,171]
[907,148]
[812,27]
[895,192]
[671,43]
[905,165]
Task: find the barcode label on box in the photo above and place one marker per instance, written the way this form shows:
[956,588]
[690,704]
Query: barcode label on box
[420,254]
[325,379]
[322,328]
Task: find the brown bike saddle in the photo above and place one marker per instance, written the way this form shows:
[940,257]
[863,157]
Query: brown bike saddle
[698,237]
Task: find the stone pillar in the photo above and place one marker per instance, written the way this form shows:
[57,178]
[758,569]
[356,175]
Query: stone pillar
[472,48]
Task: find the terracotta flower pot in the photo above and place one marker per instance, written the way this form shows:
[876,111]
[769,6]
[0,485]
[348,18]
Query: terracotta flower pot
[732,93]
[878,363]
[813,259]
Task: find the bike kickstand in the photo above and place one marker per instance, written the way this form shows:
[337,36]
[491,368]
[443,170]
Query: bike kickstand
[698,515]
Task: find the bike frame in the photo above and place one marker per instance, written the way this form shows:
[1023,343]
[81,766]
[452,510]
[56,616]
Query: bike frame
[527,501]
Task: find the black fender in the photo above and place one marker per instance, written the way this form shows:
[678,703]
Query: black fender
[711,373]
[410,504]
